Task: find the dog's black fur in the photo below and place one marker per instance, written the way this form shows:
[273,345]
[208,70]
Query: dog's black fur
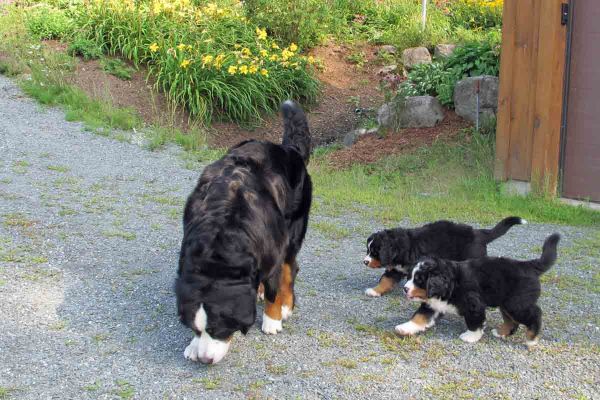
[247,216]
[471,286]
[398,249]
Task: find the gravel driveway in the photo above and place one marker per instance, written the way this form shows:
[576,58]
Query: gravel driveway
[89,235]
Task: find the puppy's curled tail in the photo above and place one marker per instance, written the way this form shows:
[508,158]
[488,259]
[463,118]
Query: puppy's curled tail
[295,129]
[501,228]
[549,254]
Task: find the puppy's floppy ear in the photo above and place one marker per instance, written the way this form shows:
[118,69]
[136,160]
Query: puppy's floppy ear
[439,286]
[386,248]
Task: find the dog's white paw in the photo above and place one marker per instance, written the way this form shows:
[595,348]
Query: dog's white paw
[286,312]
[471,336]
[372,293]
[532,343]
[260,296]
[191,351]
[408,328]
[497,334]
[271,326]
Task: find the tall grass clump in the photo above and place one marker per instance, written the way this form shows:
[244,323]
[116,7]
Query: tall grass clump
[208,58]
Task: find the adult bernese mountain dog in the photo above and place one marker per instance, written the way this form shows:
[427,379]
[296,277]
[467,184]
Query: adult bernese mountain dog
[244,224]
[397,250]
[467,288]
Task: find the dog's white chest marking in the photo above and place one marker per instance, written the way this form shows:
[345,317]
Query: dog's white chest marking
[441,306]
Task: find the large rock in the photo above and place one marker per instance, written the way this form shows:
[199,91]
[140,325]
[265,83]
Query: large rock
[415,56]
[443,50]
[465,97]
[387,49]
[414,112]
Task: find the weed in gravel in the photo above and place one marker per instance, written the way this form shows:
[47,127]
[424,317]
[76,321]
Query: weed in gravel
[277,369]
[114,233]
[41,274]
[257,384]
[58,168]
[20,167]
[208,383]
[5,392]
[17,220]
[93,387]
[58,326]
[346,363]
[125,389]
[100,337]
[331,230]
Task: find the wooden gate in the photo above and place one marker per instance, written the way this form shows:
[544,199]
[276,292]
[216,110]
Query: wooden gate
[581,167]
[530,100]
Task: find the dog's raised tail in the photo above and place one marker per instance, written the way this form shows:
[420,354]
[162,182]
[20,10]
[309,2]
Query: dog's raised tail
[549,254]
[501,228]
[295,129]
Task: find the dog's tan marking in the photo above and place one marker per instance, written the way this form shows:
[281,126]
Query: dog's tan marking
[285,294]
[385,285]
[260,293]
[418,292]
[374,263]
[508,327]
[420,319]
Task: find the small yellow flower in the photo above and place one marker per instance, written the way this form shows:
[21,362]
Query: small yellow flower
[264,72]
[232,70]
[310,59]
[286,54]
[181,47]
[264,53]
[237,46]
[253,68]
[219,61]
[274,57]
[244,70]
[154,47]
[274,46]
[185,63]
[206,60]
[188,47]
[261,34]
[246,51]
[293,47]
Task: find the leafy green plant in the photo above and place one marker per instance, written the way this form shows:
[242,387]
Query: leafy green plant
[359,58]
[118,68]
[85,48]
[476,14]
[46,22]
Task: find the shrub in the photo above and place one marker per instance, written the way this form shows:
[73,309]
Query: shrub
[46,22]
[476,14]
[118,68]
[440,78]
[85,48]
[208,58]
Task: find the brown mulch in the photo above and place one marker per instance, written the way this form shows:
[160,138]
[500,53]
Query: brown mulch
[373,147]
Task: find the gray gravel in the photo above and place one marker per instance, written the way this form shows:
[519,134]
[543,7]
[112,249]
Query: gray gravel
[89,234]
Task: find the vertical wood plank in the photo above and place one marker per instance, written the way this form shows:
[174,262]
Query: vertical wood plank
[503,123]
[549,96]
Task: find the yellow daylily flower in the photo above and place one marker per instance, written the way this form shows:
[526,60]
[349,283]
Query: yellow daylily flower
[293,47]
[244,70]
[154,47]
[232,69]
[185,63]
[253,69]
[206,60]
[264,53]
[261,33]
[274,46]
[264,72]
[181,47]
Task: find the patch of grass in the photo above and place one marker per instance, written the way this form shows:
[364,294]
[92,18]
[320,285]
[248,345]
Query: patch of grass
[118,68]
[100,337]
[58,168]
[257,384]
[346,363]
[210,383]
[17,220]
[324,338]
[450,180]
[93,387]
[119,234]
[41,274]
[459,389]
[125,389]
[277,369]
[330,229]
[5,392]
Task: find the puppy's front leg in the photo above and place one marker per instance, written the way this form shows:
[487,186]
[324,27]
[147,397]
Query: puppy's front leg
[386,283]
[421,320]
[475,319]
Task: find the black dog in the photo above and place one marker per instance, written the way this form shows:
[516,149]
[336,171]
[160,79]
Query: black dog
[466,288]
[399,249]
[244,224]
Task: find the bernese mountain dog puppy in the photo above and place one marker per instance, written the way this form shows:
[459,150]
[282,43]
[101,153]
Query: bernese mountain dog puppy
[398,249]
[244,224]
[467,288]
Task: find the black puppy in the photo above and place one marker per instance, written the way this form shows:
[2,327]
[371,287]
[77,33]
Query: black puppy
[399,249]
[466,288]
[244,224]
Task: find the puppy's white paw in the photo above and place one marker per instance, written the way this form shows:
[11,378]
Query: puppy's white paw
[372,293]
[286,312]
[271,326]
[260,296]
[471,336]
[408,328]
[498,335]
[532,343]
[191,351]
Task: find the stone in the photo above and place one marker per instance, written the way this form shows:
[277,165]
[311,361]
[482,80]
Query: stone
[443,50]
[415,56]
[416,112]
[387,49]
[465,97]
[351,137]
[388,69]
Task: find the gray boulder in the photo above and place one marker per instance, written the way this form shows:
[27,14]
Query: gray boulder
[465,97]
[387,49]
[443,50]
[415,112]
[415,56]
[388,69]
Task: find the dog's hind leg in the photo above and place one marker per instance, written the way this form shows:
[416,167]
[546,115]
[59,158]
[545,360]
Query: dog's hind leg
[531,317]
[508,327]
